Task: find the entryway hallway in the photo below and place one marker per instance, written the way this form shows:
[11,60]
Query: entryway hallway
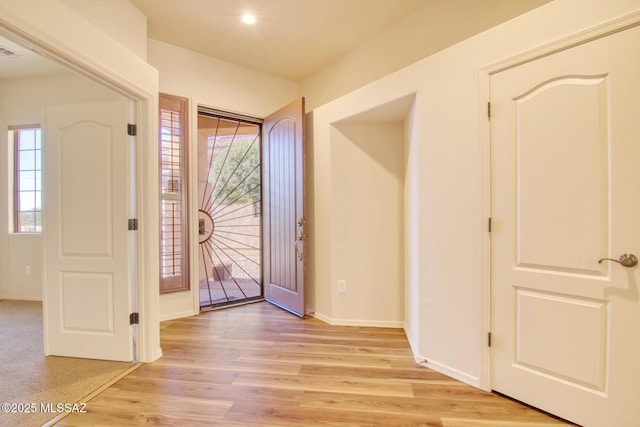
[257,365]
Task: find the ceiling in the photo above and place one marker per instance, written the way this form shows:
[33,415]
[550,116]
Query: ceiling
[26,63]
[291,38]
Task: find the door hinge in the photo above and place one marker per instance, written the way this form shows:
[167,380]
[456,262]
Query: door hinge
[489,339]
[134,318]
[489,225]
[489,110]
[133,224]
[132,130]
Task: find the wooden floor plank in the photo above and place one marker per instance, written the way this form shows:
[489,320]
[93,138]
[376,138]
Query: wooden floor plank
[259,366]
[415,376]
[336,384]
[217,392]
[325,359]
[115,407]
[270,366]
[458,422]
[300,416]
[418,406]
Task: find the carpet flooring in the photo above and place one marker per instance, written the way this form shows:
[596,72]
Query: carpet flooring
[29,380]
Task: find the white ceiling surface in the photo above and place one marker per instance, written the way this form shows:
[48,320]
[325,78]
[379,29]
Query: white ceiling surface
[291,38]
[29,63]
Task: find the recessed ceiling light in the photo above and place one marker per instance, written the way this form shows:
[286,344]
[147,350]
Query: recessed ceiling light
[248,18]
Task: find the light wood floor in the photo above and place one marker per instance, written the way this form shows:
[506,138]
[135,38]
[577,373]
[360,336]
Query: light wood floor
[259,366]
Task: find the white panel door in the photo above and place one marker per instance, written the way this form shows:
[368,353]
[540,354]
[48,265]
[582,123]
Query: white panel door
[565,173]
[86,181]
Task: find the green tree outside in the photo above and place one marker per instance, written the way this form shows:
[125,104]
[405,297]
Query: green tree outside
[238,177]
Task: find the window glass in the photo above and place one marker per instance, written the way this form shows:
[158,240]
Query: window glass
[28,180]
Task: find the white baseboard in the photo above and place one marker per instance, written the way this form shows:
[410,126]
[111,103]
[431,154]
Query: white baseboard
[177,315]
[358,322]
[449,371]
[20,298]
[414,348]
[320,316]
[158,354]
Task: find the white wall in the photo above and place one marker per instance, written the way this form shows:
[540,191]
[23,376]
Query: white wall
[431,28]
[411,225]
[218,83]
[224,86]
[24,101]
[117,18]
[367,163]
[445,198]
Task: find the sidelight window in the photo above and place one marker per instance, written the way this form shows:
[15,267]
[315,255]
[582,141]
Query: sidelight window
[173,204]
[27,212]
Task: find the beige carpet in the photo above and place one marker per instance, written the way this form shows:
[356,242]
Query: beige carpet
[27,376]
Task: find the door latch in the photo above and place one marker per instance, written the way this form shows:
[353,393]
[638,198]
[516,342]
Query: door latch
[626,260]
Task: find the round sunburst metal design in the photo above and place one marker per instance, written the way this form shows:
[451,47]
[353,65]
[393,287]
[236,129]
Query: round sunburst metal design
[205,226]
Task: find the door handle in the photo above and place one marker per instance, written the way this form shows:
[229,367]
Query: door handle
[627,260]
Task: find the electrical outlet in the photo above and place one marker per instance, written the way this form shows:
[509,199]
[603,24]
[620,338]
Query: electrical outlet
[342,286]
[27,270]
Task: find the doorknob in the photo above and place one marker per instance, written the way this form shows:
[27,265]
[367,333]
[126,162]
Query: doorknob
[627,260]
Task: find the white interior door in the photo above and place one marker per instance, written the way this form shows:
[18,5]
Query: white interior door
[565,173]
[86,178]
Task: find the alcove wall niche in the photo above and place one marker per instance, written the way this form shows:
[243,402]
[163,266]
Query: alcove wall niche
[369,164]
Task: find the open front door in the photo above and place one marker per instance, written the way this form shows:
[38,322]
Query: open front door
[87,285]
[283,208]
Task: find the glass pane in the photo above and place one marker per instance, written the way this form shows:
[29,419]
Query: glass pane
[27,200]
[27,160]
[27,181]
[27,222]
[26,139]
[38,221]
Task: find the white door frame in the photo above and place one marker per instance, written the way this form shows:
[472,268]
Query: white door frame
[146,107]
[484,96]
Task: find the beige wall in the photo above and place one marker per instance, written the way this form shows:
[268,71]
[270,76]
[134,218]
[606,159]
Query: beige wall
[24,101]
[367,183]
[431,28]
[218,84]
[411,225]
[445,179]
[117,18]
